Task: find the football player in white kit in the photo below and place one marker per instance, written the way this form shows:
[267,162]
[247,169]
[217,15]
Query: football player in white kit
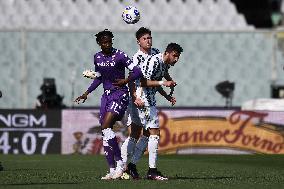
[155,69]
[134,146]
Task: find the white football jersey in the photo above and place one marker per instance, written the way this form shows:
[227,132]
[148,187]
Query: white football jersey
[153,68]
[139,59]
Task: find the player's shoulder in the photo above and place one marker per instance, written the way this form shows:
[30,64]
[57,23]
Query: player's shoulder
[138,53]
[98,55]
[120,52]
[156,57]
[154,51]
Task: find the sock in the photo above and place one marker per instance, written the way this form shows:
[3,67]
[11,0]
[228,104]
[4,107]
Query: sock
[124,150]
[127,148]
[139,149]
[153,150]
[109,156]
[111,170]
[109,140]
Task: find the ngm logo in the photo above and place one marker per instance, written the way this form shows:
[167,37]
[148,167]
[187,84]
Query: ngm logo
[22,120]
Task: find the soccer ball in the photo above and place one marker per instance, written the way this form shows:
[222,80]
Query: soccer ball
[131,15]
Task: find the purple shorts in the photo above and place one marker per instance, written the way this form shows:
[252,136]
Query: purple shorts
[115,101]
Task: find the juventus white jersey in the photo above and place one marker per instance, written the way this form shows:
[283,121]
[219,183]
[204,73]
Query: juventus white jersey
[139,59]
[153,68]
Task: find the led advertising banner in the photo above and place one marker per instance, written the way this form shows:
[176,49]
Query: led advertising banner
[183,131]
[30,132]
[221,131]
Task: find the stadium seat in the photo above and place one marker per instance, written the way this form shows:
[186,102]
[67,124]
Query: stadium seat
[84,14]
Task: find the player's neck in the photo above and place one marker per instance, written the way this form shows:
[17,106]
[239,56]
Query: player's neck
[107,52]
[146,51]
[164,58]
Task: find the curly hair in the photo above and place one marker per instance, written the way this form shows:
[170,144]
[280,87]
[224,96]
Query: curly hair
[102,34]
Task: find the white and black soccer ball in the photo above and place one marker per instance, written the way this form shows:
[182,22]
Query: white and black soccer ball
[131,15]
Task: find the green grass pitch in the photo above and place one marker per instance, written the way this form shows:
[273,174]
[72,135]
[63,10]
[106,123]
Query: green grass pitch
[185,171]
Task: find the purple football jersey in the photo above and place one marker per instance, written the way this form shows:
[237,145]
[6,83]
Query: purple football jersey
[112,67]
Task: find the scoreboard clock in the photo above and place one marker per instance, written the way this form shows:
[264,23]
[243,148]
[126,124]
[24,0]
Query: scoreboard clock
[30,132]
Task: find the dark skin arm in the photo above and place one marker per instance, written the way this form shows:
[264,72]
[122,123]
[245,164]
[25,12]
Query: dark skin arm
[82,97]
[137,101]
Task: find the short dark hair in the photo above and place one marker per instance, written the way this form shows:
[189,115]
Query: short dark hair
[142,31]
[102,34]
[174,47]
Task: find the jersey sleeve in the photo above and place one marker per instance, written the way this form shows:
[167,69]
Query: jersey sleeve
[155,51]
[127,62]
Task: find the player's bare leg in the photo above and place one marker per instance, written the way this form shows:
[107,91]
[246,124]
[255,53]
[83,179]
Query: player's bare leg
[112,151]
[153,173]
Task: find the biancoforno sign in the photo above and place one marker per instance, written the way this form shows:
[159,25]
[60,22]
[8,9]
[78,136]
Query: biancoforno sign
[231,131]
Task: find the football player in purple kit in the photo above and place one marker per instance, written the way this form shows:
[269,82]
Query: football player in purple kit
[110,64]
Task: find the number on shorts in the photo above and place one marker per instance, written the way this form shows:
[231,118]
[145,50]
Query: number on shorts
[114,106]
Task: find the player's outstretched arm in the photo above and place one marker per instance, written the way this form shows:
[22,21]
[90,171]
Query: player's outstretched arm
[96,82]
[152,83]
[82,97]
[133,75]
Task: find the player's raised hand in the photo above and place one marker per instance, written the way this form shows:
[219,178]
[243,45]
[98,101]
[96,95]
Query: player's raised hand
[82,97]
[169,83]
[120,82]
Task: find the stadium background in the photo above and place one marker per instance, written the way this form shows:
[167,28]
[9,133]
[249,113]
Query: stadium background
[237,41]
[54,39]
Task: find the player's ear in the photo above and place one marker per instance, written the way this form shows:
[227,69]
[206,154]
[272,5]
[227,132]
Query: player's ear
[138,42]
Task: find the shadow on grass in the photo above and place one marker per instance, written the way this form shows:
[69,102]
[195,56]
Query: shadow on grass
[39,183]
[198,178]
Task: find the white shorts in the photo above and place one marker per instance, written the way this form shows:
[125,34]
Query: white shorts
[147,117]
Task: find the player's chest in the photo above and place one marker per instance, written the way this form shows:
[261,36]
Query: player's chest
[108,63]
[159,71]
